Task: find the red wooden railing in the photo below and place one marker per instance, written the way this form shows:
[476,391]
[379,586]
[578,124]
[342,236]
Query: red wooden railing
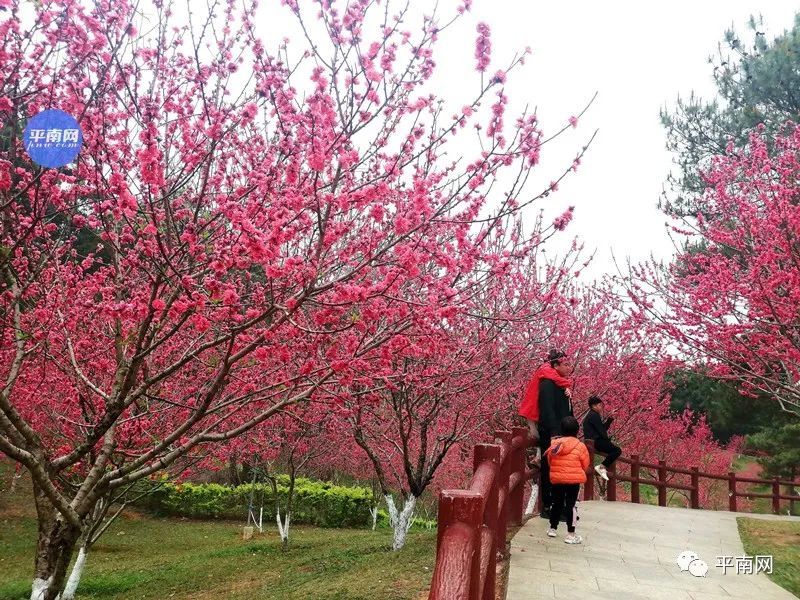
[473,522]
[663,484]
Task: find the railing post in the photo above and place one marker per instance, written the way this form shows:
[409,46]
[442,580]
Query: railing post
[731,491]
[776,500]
[611,486]
[491,453]
[502,493]
[662,483]
[695,493]
[588,487]
[635,477]
[458,508]
[517,496]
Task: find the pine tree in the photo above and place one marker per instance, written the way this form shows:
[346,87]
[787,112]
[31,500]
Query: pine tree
[757,82]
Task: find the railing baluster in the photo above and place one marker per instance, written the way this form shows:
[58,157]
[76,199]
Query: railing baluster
[490,453]
[776,500]
[517,495]
[695,492]
[588,487]
[732,491]
[611,486]
[662,483]
[635,477]
[457,572]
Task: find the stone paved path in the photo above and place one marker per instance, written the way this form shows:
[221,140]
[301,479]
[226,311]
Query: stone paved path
[629,552]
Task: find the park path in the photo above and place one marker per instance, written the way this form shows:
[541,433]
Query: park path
[629,552]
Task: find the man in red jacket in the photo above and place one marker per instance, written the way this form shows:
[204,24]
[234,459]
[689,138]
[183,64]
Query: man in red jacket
[552,370]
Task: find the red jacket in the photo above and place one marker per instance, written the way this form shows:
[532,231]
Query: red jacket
[530,403]
[569,459]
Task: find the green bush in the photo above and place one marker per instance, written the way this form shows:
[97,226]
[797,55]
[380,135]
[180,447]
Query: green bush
[417,523]
[315,502]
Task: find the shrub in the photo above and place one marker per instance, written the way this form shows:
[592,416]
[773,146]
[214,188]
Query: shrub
[315,503]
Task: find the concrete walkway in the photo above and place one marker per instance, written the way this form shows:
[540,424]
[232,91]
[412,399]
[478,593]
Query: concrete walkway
[629,552]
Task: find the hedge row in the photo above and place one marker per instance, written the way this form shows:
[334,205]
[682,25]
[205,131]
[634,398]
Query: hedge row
[315,502]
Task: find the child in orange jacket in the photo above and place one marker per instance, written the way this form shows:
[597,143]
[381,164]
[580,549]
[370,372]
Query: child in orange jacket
[569,463]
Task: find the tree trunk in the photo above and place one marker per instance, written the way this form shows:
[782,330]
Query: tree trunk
[531,508]
[54,547]
[374,512]
[14,478]
[401,522]
[233,469]
[283,528]
[55,544]
[76,573]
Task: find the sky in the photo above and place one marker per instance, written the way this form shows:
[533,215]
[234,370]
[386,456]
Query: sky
[638,56]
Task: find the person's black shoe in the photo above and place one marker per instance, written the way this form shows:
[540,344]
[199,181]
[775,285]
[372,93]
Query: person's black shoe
[545,514]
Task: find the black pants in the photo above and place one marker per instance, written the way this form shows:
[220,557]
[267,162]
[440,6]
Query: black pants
[607,446]
[545,487]
[564,497]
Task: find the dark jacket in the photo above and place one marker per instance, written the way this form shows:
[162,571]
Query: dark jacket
[553,406]
[594,428]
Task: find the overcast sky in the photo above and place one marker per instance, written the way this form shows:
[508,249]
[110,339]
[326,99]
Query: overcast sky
[637,56]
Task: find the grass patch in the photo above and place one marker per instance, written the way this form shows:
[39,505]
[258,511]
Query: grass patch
[142,558]
[781,539]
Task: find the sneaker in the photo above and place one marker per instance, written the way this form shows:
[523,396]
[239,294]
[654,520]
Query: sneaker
[601,470]
[573,538]
[551,532]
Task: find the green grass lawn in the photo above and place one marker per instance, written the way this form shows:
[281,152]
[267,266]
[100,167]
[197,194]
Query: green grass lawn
[147,558]
[780,539]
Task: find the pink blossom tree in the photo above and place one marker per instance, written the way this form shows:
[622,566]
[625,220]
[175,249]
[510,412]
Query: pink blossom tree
[729,297]
[442,384]
[234,223]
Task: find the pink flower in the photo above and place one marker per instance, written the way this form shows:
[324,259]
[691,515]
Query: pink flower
[5,175]
[562,221]
[249,111]
[573,121]
[483,47]
[201,323]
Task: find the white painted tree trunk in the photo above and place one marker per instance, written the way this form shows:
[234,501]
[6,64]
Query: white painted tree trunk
[14,478]
[400,521]
[39,587]
[75,574]
[283,527]
[532,500]
[374,513]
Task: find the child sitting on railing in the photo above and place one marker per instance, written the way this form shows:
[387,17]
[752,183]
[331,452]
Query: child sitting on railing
[595,428]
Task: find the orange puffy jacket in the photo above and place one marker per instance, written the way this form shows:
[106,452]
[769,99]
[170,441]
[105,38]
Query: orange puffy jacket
[569,460]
